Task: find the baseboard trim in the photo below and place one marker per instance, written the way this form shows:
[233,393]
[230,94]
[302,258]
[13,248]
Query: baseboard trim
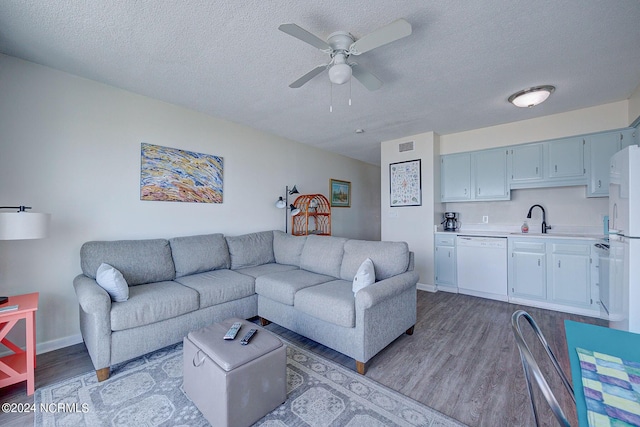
[47,346]
[426,287]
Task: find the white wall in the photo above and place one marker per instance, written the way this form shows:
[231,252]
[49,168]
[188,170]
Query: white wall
[577,122]
[71,147]
[413,224]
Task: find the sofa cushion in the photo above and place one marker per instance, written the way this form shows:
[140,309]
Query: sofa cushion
[139,261]
[323,255]
[218,286]
[264,269]
[389,258]
[287,249]
[197,254]
[333,302]
[152,302]
[282,287]
[112,281]
[250,250]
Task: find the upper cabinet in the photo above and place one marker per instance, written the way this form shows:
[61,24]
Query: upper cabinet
[599,149]
[479,175]
[491,174]
[526,164]
[455,171]
[565,160]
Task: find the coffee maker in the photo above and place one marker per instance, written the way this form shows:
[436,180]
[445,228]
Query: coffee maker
[450,222]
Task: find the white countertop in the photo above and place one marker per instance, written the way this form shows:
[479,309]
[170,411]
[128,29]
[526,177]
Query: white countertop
[510,232]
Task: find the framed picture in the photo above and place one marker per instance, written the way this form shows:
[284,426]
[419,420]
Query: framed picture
[173,175]
[340,193]
[405,182]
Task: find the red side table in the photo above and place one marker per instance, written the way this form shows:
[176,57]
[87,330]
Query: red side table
[20,365]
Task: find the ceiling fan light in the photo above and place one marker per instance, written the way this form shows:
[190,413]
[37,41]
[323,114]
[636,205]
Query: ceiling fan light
[339,73]
[532,96]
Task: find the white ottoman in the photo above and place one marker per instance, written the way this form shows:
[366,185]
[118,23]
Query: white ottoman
[232,384]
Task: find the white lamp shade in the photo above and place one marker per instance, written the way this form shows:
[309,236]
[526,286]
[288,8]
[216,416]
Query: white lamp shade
[280,204]
[339,73]
[23,225]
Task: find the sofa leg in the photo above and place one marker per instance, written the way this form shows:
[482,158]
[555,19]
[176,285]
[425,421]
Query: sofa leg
[264,322]
[361,367]
[410,330]
[103,374]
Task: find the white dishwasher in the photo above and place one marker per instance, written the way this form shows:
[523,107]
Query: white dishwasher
[481,265]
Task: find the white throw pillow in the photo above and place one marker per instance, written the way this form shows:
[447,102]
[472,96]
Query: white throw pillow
[365,276]
[112,281]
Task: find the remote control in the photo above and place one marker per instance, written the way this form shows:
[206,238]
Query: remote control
[246,338]
[231,333]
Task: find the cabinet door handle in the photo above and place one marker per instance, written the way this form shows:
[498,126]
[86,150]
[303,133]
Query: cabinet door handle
[465,191]
[449,254]
[478,190]
[558,263]
[538,262]
[556,168]
[536,170]
[599,183]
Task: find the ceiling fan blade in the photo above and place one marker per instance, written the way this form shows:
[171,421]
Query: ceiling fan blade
[387,34]
[304,35]
[311,74]
[367,79]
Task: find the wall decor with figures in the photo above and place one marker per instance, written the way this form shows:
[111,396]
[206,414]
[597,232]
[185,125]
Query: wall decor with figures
[405,182]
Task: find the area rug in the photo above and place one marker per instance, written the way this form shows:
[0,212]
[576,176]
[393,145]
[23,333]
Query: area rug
[148,392]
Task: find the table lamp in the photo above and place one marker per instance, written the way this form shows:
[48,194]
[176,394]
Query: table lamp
[22,225]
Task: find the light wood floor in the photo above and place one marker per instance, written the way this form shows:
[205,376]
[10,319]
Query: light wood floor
[461,360]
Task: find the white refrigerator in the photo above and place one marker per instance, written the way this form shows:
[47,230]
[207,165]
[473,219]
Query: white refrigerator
[624,240]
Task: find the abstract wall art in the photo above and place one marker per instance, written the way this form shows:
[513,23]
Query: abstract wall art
[405,180]
[173,175]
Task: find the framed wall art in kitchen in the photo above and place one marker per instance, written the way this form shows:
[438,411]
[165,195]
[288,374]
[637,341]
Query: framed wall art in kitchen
[405,182]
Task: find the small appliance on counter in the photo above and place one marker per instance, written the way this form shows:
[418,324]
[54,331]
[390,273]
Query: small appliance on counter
[450,222]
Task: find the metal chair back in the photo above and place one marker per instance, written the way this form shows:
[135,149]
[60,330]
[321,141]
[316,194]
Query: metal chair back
[532,370]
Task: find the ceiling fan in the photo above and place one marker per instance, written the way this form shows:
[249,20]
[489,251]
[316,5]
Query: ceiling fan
[341,46]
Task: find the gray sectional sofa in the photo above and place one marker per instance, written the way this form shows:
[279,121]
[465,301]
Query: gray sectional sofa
[302,283]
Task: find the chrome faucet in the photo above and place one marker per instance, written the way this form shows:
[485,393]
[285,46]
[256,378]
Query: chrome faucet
[545,227]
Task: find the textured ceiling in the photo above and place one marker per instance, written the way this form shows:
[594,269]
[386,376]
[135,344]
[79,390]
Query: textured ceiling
[228,59]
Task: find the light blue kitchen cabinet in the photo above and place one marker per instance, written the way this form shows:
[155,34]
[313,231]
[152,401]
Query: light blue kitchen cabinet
[527,269]
[477,175]
[455,177]
[599,149]
[445,261]
[490,173]
[526,164]
[565,160]
[569,281]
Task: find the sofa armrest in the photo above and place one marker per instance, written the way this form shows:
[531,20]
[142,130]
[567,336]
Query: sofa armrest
[91,297]
[95,319]
[385,289]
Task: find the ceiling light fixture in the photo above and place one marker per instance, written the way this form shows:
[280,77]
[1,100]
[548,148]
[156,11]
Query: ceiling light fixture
[532,96]
[340,71]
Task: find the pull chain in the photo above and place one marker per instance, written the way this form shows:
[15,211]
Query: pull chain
[331,97]
[350,92]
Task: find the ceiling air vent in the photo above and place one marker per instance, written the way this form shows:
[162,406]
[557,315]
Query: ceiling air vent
[405,146]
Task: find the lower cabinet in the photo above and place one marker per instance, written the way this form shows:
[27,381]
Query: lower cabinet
[570,274]
[528,271]
[552,271]
[445,261]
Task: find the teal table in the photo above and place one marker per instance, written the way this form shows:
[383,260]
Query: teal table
[622,344]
